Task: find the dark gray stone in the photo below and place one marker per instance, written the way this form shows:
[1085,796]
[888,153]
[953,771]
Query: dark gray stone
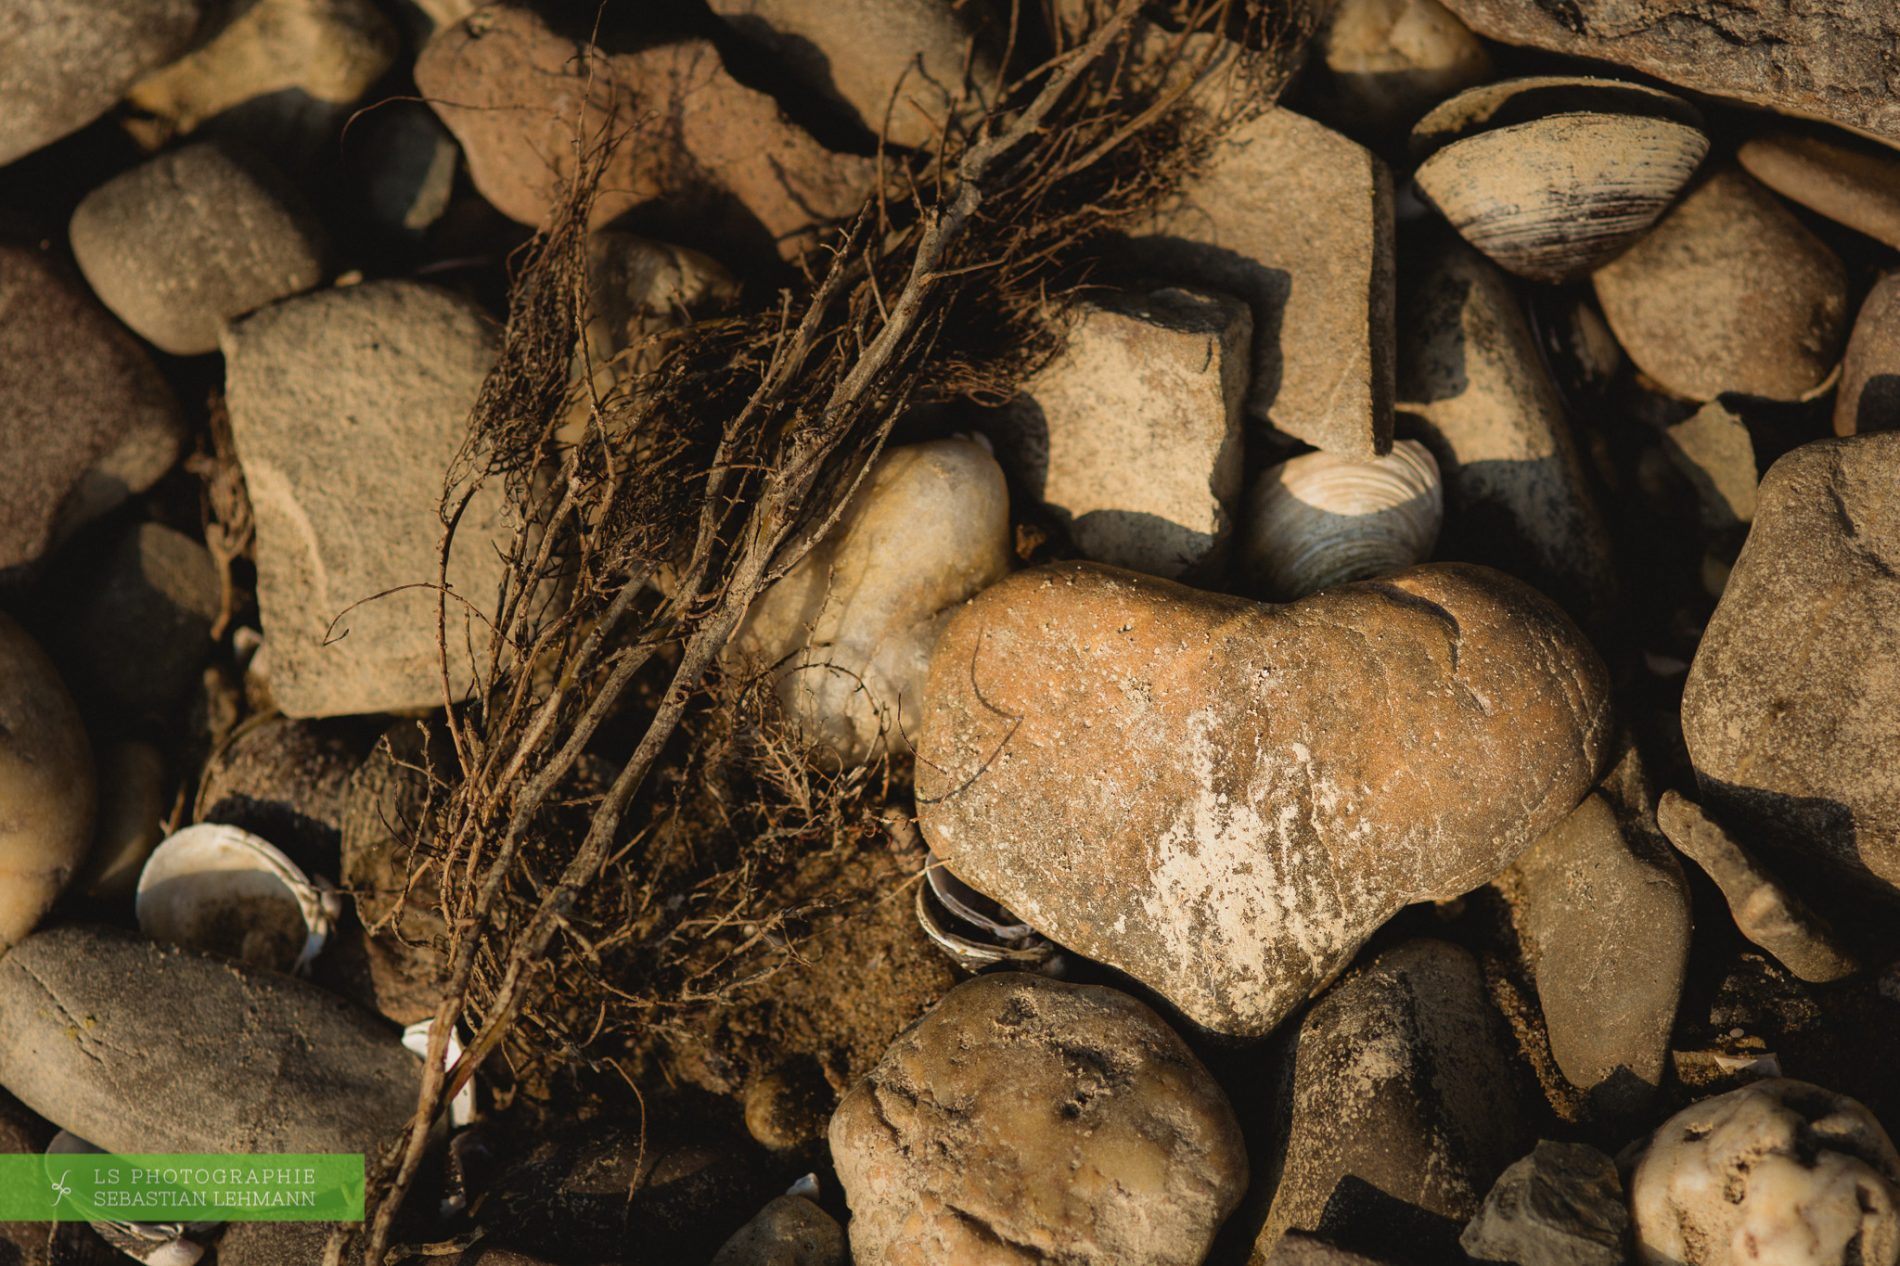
[138,629]
[791,1231]
[85,418]
[288,781]
[141,1047]
[1560,1206]
[1402,1106]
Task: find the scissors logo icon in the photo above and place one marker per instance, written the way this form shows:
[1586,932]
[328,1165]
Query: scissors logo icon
[60,1189]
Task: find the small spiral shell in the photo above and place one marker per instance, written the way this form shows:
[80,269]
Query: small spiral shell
[1321,519]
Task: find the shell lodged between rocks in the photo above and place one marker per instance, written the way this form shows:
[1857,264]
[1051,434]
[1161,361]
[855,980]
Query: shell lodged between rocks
[1554,177]
[224,890]
[1320,519]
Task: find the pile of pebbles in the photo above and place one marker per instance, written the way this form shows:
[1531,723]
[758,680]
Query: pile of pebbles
[1404,702]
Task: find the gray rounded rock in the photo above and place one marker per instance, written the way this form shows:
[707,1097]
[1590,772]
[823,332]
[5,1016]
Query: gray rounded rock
[1025,1120]
[67,61]
[182,244]
[141,1047]
[1560,1206]
[88,419]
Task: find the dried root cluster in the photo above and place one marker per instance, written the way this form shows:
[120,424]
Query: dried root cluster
[608,846]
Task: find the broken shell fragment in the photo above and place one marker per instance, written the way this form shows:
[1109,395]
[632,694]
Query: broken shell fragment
[1553,177]
[977,932]
[154,1243]
[1321,519]
[220,889]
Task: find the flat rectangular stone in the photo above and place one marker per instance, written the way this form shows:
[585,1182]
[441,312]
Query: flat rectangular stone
[1133,432]
[1297,220]
[348,408]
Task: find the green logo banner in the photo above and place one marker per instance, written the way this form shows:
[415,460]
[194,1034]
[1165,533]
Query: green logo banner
[100,1187]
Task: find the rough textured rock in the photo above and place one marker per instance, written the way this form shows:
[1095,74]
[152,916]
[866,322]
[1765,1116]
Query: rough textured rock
[1855,185]
[1296,1248]
[1788,707]
[1317,274]
[284,76]
[1400,1109]
[1729,292]
[1767,914]
[1603,916]
[1388,61]
[1715,453]
[1560,1206]
[1475,391]
[848,632]
[348,408]
[1227,798]
[136,633]
[1133,432]
[274,1243]
[133,1046]
[180,245]
[587,1192]
[1822,59]
[46,784]
[1778,1172]
[898,59]
[791,1231]
[385,806]
[511,90]
[1025,1120]
[1868,397]
[286,780]
[68,61]
[88,421]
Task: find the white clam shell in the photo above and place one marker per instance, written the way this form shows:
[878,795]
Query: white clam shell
[218,888]
[1553,178]
[1321,519]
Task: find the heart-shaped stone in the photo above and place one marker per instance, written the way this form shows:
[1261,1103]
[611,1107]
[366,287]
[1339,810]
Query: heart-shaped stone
[1224,799]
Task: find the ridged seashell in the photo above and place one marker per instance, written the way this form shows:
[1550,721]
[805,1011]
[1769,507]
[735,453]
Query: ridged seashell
[1554,177]
[1321,519]
[217,888]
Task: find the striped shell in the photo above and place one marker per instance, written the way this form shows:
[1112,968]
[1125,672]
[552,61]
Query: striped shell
[1321,520]
[1554,195]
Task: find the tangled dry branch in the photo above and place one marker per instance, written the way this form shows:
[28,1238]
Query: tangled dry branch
[654,510]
